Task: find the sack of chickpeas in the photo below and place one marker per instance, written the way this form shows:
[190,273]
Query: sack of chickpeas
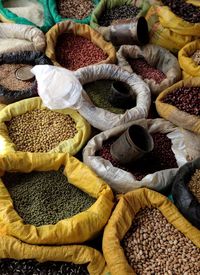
[180,104]
[45,199]
[155,65]
[149,236]
[186,191]
[173,147]
[28,126]
[73,45]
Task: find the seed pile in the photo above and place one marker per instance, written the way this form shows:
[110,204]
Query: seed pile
[116,13]
[74,52]
[186,99]
[30,267]
[75,9]
[40,130]
[186,11]
[45,197]
[146,71]
[9,80]
[194,184]
[160,158]
[196,57]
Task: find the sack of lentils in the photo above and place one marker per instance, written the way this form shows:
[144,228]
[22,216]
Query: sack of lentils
[17,257]
[173,147]
[46,200]
[186,191]
[157,66]
[150,236]
[16,80]
[180,104]
[72,45]
[104,119]
[30,127]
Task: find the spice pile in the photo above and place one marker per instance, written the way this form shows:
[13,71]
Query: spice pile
[154,246]
[42,198]
[74,52]
[196,57]
[186,99]
[40,130]
[194,184]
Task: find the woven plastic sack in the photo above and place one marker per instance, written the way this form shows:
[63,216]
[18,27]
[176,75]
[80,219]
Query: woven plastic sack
[156,57]
[122,218]
[172,113]
[81,30]
[76,229]
[185,146]
[71,146]
[103,119]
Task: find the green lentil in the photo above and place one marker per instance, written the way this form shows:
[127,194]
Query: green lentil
[42,198]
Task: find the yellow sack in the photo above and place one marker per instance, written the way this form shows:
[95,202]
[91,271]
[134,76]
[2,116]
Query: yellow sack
[173,114]
[72,145]
[81,30]
[194,2]
[186,62]
[76,229]
[121,221]
[13,248]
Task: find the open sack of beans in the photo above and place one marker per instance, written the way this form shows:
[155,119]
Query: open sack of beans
[180,104]
[45,199]
[72,45]
[173,147]
[157,66]
[186,191]
[30,127]
[146,234]
[104,119]
[16,80]
[27,12]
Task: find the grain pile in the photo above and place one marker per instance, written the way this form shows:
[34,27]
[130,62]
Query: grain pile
[196,57]
[194,184]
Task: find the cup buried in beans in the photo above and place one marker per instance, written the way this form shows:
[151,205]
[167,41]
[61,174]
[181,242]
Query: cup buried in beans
[194,184]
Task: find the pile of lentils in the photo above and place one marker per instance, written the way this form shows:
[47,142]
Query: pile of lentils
[186,99]
[8,78]
[186,11]
[74,52]
[153,246]
[146,71]
[117,13]
[160,158]
[30,267]
[75,9]
[196,57]
[40,130]
[42,198]
[194,184]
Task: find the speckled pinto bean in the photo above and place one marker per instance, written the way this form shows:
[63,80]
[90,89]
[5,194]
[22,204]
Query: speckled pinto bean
[196,57]
[74,52]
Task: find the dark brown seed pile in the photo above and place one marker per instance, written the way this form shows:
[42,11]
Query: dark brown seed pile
[74,52]
[116,13]
[32,267]
[75,9]
[153,246]
[194,184]
[142,68]
[186,99]
[196,57]
[161,158]
[45,197]
[186,11]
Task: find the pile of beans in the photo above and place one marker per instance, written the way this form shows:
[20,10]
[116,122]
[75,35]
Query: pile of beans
[146,71]
[45,197]
[196,57]
[153,246]
[30,267]
[116,13]
[40,130]
[9,80]
[194,184]
[74,52]
[160,158]
[75,9]
[186,11]
[186,99]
